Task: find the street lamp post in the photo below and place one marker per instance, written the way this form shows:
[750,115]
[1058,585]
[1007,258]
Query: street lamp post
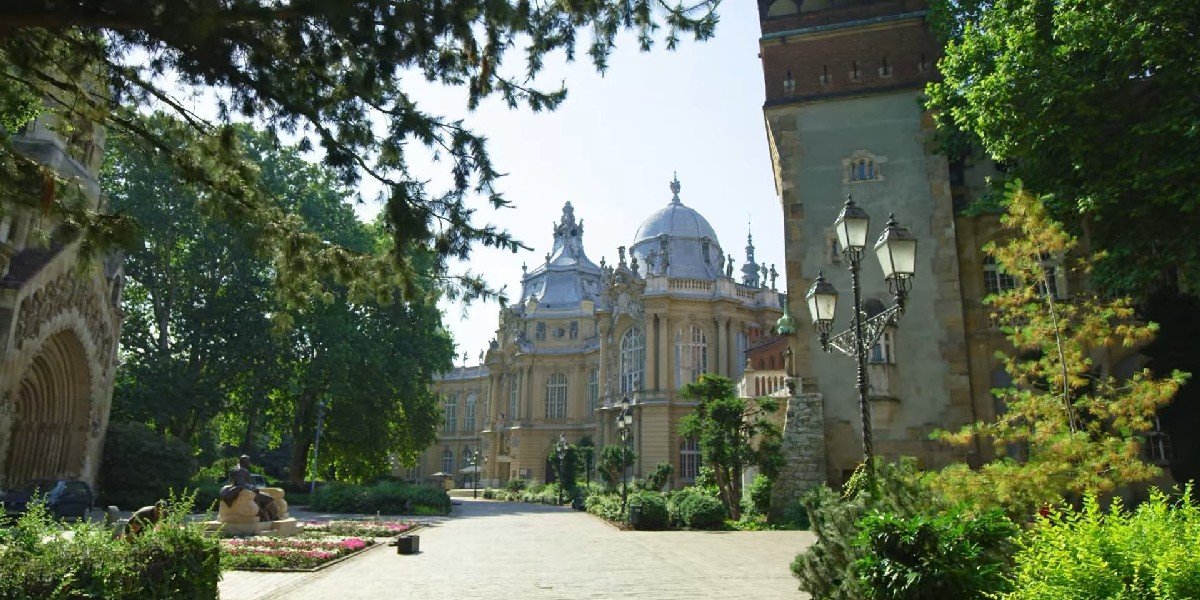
[624,423]
[561,449]
[474,462]
[896,250]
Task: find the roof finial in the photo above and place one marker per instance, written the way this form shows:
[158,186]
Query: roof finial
[675,187]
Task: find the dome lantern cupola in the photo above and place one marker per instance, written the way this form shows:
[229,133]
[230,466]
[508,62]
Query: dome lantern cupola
[677,241]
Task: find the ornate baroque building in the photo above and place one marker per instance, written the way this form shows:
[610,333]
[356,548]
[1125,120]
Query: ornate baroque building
[582,336]
[59,322]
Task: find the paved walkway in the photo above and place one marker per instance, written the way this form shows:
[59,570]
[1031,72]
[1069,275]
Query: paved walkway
[509,550]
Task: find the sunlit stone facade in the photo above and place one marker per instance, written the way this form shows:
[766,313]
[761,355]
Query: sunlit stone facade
[582,336]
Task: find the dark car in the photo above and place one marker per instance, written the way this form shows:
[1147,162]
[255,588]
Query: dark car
[65,498]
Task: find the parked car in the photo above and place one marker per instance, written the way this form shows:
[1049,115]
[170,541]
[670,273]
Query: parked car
[65,498]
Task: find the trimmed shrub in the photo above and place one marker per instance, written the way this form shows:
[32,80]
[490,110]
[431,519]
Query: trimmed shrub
[653,510]
[656,481]
[949,555]
[606,506]
[171,560]
[695,509]
[1149,552]
[141,466]
[758,494]
[516,485]
[384,497]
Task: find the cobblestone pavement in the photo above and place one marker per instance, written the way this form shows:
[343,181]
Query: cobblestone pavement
[518,551]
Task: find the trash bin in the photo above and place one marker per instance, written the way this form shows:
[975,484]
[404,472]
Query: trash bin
[635,515]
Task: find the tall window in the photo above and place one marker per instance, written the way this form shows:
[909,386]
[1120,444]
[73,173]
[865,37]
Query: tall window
[1051,268]
[689,459]
[464,459]
[633,360]
[469,412]
[739,358]
[447,461]
[881,352]
[1156,446]
[995,280]
[556,397]
[593,389]
[691,355]
[451,424]
[514,396]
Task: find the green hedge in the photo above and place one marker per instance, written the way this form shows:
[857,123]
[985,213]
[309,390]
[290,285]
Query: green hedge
[141,466]
[605,506]
[173,560]
[653,508]
[695,509]
[1150,552]
[384,497]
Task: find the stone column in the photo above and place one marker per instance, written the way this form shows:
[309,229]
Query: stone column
[606,392]
[803,451]
[666,374]
[719,350]
[650,377]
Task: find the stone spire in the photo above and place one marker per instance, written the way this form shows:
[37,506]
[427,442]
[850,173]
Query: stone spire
[750,268]
[568,233]
[675,189]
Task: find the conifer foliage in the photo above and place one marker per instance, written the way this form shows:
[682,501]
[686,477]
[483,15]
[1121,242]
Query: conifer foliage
[1068,425]
[333,73]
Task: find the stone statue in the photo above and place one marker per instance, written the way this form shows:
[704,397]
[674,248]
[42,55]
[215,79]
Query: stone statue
[664,245]
[239,480]
[144,518]
[764,275]
[729,267]
[774,276]
[721,261]
[633,265]
[481,357]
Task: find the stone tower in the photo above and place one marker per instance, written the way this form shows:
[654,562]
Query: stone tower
[843,82]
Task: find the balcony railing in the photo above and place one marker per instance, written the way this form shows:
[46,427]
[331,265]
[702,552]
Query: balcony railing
[763,383]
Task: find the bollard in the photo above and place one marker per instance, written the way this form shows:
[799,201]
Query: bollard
[408,544]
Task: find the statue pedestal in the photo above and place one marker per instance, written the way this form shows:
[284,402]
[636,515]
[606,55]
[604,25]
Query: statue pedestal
[241,517]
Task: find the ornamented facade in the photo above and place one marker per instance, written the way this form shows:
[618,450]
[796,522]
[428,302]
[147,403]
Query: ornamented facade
[60,322]
[582,336]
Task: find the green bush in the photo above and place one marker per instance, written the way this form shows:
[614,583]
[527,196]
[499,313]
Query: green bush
[948,555]
[542,493]
[384,497]
[656,481]
[172,560]
[795,516]
[758,494]
[654,513]
[606,506]
[516,485]
[827,569]
[694,509]
[489,494]
[1149,552]
[141,466]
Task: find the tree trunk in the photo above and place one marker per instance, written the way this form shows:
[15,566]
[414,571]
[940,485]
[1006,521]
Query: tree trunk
[302,436]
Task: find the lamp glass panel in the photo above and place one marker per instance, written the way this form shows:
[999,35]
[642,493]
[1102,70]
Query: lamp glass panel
[852,231]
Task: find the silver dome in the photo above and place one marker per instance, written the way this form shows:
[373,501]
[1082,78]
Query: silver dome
[683,236]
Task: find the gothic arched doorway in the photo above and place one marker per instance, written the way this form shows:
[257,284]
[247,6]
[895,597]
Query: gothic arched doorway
[50,422]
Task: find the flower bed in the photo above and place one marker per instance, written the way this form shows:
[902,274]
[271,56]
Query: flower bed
[287,553]
[359,528]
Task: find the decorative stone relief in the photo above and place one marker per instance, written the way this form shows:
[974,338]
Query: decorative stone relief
[65,293]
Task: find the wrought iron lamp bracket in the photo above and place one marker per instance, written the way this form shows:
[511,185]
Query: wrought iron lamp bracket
[873,328]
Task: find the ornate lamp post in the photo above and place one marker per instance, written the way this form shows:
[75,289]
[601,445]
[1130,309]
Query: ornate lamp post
[561,449]
[896,250]
[624,428]
[473,460]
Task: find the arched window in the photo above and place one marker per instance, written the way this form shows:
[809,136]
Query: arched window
[451,414]
[447,461]
[862,165]
[689,459]
[633,360]
[556,396]
[514,397]
[469,412]
[593,389]
[691,355]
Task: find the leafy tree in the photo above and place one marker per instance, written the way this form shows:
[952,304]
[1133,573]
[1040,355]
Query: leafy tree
[1078,427]
[1093,102]
[334,74]
[732,434]
[612,464]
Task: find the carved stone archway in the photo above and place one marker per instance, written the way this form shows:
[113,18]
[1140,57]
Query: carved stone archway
[51,412]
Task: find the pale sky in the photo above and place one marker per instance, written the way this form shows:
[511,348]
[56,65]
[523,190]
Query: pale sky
[611,149]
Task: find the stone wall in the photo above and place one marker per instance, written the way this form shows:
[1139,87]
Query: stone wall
[803,451]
